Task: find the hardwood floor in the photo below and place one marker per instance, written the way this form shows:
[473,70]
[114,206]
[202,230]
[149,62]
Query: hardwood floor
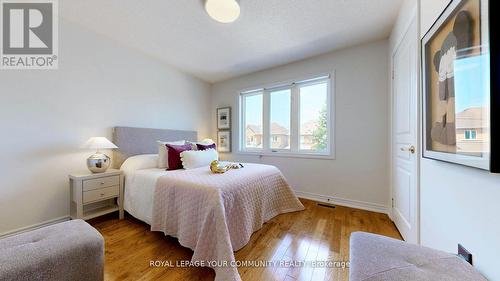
[318,233]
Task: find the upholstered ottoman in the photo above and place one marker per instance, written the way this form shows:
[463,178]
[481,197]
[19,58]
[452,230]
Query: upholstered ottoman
[376,258]
[71,250]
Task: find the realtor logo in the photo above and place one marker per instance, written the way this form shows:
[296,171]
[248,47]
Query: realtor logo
[29,34]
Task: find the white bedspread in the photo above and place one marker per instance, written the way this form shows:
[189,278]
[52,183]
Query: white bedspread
[212,214]
[215,214]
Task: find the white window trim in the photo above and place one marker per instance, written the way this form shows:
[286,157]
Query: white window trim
[297,153]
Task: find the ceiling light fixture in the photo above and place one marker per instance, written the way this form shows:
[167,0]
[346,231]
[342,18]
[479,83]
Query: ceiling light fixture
[224,11]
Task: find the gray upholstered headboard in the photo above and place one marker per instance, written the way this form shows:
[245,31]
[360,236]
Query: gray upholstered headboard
[134,141]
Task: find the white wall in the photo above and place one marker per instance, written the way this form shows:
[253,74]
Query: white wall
[407,12]
[46,115]
[359,173]
[459,204]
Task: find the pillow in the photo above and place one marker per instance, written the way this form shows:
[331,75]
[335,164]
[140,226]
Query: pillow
[138,162]
[206,146]
[174,155]
[195,143]
[162,152]
[198,158]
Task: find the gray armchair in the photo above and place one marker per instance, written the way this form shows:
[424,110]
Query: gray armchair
[71,250]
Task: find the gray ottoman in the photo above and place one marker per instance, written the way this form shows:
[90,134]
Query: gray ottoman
[376,258]
[71,250]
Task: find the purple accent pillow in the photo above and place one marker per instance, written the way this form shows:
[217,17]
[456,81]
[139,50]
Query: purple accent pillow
[174,155]
[206,146]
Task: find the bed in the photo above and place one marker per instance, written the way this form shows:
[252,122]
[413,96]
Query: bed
[212,214]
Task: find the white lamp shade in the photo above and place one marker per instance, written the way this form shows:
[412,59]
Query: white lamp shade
[99,143]
[224,11]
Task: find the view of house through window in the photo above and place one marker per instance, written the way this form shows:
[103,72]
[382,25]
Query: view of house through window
[290,119]
[470,134]
[253,120]
[281,102]
[313,117]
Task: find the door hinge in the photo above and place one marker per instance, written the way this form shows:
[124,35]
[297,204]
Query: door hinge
[393,75]
[392,199]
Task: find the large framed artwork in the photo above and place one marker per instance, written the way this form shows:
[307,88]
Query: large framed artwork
[457,92]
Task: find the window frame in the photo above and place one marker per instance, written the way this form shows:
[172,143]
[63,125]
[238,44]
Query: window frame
[242,133]
[295,136]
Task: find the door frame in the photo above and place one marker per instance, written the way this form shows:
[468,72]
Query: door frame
[400,37]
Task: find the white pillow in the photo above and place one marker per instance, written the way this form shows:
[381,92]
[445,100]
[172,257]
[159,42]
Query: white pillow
[198,158]
[163,153]
[143,161]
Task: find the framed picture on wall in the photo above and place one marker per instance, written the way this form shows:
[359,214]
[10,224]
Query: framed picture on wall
[224,141]
[456,86]
[224,118]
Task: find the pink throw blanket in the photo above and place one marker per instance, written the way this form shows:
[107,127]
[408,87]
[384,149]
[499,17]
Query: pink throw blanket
[215,214]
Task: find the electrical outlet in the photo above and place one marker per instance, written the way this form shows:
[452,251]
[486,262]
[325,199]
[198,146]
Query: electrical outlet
[464,254]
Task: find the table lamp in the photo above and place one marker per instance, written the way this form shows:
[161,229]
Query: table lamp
[99,162]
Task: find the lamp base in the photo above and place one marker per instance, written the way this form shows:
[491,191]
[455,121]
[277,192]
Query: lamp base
[98,162]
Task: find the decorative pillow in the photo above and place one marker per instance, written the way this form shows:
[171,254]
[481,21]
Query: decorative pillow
[195,143]
[198,158]
[206,146]
[162,152]
[174,155]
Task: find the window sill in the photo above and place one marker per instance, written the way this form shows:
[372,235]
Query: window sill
[288,155]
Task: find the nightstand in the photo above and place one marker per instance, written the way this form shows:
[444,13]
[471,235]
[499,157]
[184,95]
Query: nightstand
[94,195]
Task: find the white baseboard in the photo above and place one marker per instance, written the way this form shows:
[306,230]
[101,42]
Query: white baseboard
[374,207]
[368,206]
[33,227]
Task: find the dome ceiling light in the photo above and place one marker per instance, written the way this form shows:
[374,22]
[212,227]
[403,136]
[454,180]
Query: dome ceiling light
[224,11]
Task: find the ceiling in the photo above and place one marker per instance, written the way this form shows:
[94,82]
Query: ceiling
[267,34]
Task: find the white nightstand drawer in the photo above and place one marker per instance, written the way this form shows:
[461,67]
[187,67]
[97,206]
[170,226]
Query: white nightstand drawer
[100,183]
[98,194]
[93,195]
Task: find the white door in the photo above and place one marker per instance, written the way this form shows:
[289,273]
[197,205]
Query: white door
[404,136]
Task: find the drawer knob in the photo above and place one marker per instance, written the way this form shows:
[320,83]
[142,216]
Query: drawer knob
[102,194]
[102,182]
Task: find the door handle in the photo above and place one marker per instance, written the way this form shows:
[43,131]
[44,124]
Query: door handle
[410,149]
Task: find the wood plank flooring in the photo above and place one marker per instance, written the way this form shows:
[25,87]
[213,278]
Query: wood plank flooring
[318,233]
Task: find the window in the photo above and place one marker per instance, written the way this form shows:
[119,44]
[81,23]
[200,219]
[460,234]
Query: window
[280,107]
[291,119]
[252,120]
[313,117]
[470,134]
